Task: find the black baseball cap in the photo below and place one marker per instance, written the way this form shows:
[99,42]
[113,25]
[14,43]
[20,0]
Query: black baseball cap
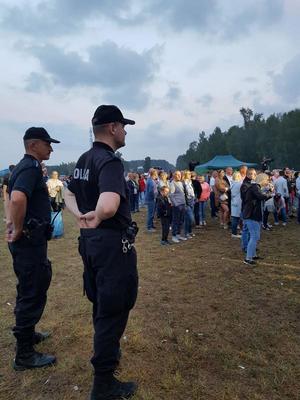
[108,113]
[39,133]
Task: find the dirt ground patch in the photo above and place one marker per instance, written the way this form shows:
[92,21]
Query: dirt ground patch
[205,326]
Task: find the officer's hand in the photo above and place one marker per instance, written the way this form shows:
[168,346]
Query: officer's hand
[8,230]
[13,235]
[89,220]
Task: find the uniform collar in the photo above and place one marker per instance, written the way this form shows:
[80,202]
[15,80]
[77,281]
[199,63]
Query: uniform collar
[102,145]
[30,156]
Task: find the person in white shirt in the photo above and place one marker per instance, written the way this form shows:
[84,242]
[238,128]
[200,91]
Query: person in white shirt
[55,189]
[281,185]
[243,171]
[236,203]
[228,175]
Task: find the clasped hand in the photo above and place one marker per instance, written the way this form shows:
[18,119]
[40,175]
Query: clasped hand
[89,220]
[11,234]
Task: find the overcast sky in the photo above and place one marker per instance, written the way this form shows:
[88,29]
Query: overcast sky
[175,66]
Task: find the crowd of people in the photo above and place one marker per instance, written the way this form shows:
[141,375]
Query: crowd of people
[181,200]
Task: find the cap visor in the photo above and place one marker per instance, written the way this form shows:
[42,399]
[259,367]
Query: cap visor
[128,121]
[50,140]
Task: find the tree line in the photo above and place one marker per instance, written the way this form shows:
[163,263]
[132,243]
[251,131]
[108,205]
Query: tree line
[276,137]
[129,166]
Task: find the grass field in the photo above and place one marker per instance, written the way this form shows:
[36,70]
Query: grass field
[205,326]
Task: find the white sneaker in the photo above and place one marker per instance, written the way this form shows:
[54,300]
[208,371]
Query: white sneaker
[284,224]
[181,237]
[236,236]
[204,222]
[174,239]
[276,223]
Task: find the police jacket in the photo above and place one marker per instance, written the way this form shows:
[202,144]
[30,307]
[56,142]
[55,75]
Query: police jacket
[97,171]
[27,177]
[252,199]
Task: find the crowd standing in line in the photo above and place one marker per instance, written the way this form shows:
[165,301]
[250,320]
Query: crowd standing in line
[241,199]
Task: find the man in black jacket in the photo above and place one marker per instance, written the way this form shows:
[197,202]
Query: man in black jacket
[252,199]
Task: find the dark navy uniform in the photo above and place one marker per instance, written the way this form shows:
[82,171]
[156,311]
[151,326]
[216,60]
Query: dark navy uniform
[110,274]
[31,265]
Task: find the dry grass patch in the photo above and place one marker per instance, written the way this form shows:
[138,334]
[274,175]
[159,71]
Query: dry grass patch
[205,326]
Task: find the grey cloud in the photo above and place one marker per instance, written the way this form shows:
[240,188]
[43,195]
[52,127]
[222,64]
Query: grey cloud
[250,79]
[254,15]
[121,73]
[287,84]
[173,95]
[53,18]
[205,100]
[171,141]
[37,82]
[223,20]
[237,96]
[253,92]
[181,15]
[202,65]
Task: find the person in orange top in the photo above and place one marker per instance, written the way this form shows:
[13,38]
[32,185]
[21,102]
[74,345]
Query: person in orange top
[205,194]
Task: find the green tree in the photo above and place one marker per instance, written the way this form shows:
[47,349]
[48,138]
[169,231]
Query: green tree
[276,137]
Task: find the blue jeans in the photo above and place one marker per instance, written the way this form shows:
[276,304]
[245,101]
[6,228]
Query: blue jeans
[188,219]
[202,205]
[142,198]
[298,211]
[177,219]
[254,236]
[150,213]
[234,224]
[282,214]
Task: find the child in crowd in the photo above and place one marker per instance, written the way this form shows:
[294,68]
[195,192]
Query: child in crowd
[164,213]
[280,209]
[275,205]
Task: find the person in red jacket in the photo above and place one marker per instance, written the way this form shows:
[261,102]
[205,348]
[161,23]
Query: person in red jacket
[142,188]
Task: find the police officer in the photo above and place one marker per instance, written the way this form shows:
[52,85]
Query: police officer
[98,197]
[27,230]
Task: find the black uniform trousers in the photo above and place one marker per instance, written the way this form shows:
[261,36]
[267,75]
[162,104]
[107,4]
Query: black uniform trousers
[34,273]
[111,284]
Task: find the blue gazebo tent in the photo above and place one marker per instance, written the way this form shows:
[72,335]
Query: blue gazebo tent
[4,172]
[222,162]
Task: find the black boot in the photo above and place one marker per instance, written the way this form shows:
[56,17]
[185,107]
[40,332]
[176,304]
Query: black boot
[28,358]
[112,389]
[39,337]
